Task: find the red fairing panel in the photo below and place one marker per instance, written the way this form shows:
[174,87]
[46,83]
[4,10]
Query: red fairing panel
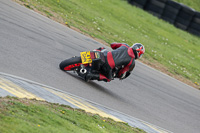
[70,67]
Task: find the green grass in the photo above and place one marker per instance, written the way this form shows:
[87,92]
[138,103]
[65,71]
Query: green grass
[195,4]
[118,21]
[32,116]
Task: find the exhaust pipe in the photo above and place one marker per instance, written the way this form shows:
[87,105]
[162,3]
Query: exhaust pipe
[83,71]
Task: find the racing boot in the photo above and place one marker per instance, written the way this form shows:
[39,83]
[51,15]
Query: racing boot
[103,78]
[91,76]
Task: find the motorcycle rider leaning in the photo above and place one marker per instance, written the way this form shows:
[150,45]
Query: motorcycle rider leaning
[122,56]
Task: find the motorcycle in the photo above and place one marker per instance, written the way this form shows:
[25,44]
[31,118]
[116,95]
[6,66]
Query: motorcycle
[87,62]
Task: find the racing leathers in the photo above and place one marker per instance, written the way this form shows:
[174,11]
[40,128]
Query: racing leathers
[122,58]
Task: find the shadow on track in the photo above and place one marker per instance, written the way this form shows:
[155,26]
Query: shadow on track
[98,87]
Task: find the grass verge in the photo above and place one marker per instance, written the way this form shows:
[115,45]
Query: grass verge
[191,3]
[24,115]
[168,49]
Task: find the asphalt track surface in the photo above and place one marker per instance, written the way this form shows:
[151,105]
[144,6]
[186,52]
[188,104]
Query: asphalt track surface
[32,46]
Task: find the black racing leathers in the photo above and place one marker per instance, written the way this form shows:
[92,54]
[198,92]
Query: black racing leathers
[121,57]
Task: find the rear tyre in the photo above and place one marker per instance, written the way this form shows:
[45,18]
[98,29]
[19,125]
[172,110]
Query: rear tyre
[70,64]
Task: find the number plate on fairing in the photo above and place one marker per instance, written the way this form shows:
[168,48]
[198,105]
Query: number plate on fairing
[86,57]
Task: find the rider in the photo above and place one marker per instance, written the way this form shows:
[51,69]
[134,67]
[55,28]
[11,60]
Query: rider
[121,57]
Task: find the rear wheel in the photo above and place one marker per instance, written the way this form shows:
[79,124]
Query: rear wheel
[70,64]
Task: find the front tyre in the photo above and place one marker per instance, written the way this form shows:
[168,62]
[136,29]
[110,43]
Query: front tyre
[70,64]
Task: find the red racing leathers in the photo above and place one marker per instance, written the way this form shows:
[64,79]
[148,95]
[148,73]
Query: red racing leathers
[122,56]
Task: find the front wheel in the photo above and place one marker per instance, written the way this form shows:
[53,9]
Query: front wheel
[70,64]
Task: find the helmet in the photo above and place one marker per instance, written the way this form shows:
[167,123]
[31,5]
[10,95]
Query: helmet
[138,50]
